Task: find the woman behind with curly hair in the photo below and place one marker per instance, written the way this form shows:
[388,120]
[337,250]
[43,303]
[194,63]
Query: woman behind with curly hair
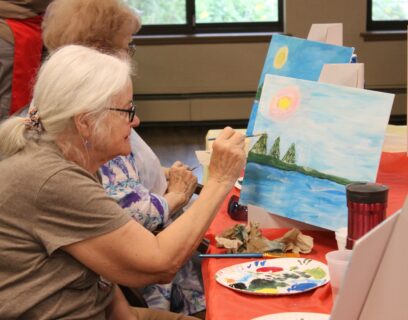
[91,23]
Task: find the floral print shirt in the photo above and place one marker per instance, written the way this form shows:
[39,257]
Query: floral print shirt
[121,181]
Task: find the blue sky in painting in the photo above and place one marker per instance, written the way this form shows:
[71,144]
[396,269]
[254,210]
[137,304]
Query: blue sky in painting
[305,60]
[337,130]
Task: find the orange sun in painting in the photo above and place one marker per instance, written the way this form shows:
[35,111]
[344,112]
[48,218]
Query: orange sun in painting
[284,103]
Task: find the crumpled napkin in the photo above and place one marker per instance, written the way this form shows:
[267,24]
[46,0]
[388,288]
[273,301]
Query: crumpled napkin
[296,241]
[248,238]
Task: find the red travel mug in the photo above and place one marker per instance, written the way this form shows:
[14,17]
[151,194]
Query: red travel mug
[367,204]
[236,211]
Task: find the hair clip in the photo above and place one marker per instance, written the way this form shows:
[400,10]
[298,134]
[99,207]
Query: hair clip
[32,121]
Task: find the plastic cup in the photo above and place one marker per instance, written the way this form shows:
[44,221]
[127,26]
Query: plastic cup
[341,238]
[337,261]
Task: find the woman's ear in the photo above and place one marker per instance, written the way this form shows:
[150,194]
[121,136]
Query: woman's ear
[83,125]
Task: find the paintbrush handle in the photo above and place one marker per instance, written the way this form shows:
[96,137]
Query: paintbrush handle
[250,255]
[231,255]
[281,255]
[246,136]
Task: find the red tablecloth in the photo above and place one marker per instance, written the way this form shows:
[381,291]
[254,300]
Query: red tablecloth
[224,303]
[393,172]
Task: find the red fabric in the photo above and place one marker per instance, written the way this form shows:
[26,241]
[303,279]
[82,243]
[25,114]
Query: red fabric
[393,172]
[224,303]
[27,59]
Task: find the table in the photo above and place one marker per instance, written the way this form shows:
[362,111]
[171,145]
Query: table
[223,303]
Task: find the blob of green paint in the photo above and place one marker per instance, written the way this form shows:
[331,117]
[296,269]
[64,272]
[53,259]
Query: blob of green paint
[258,284]
[317,273]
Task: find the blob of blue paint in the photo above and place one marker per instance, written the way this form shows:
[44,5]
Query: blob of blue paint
[245,278]
[302,286]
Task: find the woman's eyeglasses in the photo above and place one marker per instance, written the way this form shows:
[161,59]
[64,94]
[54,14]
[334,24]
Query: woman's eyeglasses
[130,111]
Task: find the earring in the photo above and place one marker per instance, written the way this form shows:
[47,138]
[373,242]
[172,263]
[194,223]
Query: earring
[87,144]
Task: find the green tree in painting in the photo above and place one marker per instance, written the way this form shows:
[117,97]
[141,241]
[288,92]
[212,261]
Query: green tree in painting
[290,156]
[260,145]
[275,150]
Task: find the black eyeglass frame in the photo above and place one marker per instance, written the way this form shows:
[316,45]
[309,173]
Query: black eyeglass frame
[131,111]
[131,49]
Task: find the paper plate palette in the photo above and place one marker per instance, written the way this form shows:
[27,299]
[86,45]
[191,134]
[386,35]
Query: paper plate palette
[280,276]
[295,316]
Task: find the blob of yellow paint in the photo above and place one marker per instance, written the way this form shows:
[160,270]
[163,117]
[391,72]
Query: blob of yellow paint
[280,57]
[267,290]
[284,103]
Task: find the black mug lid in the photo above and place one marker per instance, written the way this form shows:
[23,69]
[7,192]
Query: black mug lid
[367,192]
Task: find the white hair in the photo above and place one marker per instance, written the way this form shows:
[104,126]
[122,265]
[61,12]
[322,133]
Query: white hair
[74,80]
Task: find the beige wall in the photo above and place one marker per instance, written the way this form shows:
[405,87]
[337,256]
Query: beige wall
[236,67]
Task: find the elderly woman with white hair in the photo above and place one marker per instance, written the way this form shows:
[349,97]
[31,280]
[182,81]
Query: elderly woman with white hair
[152,195]
[64,243]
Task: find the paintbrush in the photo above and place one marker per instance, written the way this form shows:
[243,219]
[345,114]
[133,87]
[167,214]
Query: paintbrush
[266,255]
[193,168]
[198,188]
[246,136]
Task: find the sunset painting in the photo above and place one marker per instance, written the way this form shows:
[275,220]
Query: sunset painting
[317,138]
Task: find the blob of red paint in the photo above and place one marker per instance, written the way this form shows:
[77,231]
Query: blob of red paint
[269,269]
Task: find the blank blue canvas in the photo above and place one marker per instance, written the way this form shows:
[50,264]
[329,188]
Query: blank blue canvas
[305,60]
[337,133]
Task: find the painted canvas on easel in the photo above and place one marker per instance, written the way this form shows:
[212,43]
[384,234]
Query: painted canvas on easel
[317,138]
[297,58]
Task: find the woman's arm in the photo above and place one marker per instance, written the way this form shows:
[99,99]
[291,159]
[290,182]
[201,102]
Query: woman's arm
[119,308]
[166,171]
[181,186]
[133,256]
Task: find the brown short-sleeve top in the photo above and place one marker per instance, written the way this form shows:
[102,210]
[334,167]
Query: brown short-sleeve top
[47,202]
